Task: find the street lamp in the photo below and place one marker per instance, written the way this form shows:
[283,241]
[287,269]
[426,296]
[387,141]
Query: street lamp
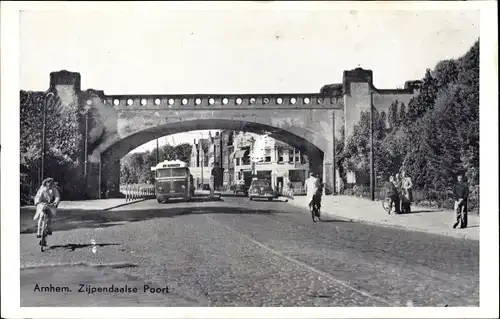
[44,129]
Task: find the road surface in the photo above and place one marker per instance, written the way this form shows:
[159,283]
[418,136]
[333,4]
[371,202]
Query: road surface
[236,252]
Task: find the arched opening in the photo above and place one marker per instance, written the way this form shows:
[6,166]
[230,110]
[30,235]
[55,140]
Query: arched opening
[304,141]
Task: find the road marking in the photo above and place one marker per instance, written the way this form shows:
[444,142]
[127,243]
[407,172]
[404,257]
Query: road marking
[319,272]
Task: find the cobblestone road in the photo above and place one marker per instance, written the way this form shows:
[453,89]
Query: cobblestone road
[240,253]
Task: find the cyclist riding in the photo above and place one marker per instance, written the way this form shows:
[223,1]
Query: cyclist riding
[46,200]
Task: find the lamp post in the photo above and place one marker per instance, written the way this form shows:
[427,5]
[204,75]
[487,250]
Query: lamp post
[85,174]
[44,137]
[372,177]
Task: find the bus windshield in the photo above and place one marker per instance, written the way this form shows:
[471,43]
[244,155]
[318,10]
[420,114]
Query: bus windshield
[171,172]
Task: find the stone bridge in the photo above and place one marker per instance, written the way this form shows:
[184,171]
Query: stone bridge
[307,121]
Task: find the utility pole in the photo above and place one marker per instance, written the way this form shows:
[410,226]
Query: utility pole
[334,163]
[157,152]
[372,170]
[202,156]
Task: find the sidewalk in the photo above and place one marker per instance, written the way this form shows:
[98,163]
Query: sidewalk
[421,219]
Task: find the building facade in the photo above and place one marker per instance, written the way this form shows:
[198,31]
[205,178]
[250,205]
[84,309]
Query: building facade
[245,155]
[269,159]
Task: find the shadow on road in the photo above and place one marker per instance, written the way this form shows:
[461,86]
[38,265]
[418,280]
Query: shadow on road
[76,218]
[195,200]
[334,220]
[73,247]
[422,211]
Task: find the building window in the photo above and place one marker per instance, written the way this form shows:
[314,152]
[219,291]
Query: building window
[297,159]
[267,155]
[238,161]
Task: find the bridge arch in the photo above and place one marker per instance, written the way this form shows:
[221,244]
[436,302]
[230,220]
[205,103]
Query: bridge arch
[297,137]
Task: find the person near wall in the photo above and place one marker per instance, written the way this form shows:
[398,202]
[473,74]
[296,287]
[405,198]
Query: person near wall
[461,193]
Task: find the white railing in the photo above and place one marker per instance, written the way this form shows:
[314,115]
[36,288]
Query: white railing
[137,191]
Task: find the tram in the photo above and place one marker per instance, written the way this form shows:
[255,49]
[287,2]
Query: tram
[173,180]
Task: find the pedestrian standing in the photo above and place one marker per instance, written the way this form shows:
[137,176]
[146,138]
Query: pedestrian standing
[407,198]
[460,192]
[394,196]
[399,187]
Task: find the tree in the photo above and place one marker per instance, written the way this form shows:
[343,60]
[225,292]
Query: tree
[393,115]
[136,167]
[332,90]
[183,152]
[63,142]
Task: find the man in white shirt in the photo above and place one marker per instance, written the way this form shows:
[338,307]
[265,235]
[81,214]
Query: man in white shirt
[311,185]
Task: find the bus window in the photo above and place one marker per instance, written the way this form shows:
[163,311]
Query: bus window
[163,173]
[178,172]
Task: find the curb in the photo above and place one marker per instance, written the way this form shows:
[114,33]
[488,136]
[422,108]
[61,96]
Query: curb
[466,237]
[124,204]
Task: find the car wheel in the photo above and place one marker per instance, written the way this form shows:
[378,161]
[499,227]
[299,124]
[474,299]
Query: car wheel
[250,198]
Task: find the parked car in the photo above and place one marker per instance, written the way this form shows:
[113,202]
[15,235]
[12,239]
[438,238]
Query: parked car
[204,190]
[260,188]
[240,188]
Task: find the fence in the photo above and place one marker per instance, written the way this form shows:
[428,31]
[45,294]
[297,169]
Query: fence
[137,191]
[294,191]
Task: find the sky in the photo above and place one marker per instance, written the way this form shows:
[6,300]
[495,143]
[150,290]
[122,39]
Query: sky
[236,51]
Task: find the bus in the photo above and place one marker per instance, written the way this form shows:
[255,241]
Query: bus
[173,180]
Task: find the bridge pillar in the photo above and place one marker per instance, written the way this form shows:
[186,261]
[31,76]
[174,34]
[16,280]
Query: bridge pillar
[328,174]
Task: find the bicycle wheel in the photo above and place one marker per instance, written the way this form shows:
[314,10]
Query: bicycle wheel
[386,204]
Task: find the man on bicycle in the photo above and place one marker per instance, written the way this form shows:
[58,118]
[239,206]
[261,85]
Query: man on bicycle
[46,199]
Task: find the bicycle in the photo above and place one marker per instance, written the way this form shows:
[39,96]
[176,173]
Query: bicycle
[315,212]
[386,204]
[44,227]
